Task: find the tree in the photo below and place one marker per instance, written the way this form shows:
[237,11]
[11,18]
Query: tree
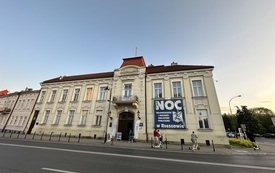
[244,116]
[263,116]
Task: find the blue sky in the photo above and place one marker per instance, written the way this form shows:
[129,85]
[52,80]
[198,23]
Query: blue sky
[40,40]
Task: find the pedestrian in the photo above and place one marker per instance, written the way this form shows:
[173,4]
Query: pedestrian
[160,138]
[156,136]
[194,140]
[251,137]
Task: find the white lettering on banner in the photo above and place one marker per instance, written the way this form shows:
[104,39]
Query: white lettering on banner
[168,105]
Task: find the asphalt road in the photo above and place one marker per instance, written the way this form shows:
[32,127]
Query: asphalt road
[21,156]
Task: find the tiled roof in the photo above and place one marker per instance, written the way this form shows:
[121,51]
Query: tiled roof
[138,61]
[80,77]
[4,92]
[162,68]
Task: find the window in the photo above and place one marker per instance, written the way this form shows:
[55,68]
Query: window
[76,94]
[64,95]
[71,117]
[102,93]
[158,90]
[28,104]
[53,96]
[46,117]
[15,121]
[203,118]
[127,90]
[84,117]
[89,94]
[98,117]
[197,88]
[176,89]
[23,104]
[19,104]
[57,117]
[43,93]
[24,120]
[20,121]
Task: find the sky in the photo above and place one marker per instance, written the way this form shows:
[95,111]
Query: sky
[41,40]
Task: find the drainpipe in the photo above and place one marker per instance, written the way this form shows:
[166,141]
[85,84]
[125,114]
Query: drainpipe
[146,127]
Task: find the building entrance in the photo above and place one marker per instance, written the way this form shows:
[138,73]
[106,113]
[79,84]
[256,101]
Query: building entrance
[126,123]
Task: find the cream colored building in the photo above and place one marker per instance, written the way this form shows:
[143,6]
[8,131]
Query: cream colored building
[18,109]
[177,99]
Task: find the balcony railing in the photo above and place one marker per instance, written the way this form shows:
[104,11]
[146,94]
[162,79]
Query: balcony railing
[125,100]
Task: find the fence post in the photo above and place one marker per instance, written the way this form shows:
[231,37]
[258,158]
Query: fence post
[4,133]
[182,143]
[69,137]
[18,135]
[166,143]
[51,136]
[42,136]
[152,142]
[213,146]
[33,135]
[59,136]
[79,136]
[11,134]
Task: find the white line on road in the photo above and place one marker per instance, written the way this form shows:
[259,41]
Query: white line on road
[58,170]
[144,157]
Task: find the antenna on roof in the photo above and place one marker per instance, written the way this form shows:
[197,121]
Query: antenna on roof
[136,51]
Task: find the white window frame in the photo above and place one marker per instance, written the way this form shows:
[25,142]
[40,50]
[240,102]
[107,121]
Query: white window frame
[158,91]
[76,95]
[127,90]
[53,96]
[102,93]
[57,117]
[89,94]
[42,97]
[99,114]
[46,117]
[70,117]
[84,116]
[64,95]
[177,89]
[203,118]
[197,86]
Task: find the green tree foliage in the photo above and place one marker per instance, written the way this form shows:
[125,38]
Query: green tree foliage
[263,116]
[244,116]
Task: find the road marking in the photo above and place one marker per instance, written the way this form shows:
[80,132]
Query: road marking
[58,170]
[143,157]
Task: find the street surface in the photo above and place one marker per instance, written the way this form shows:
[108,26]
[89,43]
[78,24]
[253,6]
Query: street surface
[24,156]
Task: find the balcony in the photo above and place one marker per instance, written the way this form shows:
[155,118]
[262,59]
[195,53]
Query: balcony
[125,101]
[5,110]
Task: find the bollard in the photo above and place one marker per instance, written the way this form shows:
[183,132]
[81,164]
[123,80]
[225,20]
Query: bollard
[112,141]
[59,136]
[33,135]
[166,143]
[11,134]
[152,142]
[51,136]
[42,136]
[18,135]
[79,136]
[69,138]
[25,135]
[4,133]
[213,146]
[182,143]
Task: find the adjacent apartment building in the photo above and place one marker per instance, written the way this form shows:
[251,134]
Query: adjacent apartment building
[177,99]
[16,110]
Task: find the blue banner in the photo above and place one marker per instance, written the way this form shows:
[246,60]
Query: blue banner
[169,114]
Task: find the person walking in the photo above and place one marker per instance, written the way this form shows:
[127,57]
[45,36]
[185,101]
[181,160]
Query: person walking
[251,137]
[194,140]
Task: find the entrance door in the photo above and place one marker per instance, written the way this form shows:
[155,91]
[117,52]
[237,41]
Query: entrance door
[126,123]
[33,121]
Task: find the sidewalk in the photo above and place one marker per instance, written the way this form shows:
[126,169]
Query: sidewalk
[216,149]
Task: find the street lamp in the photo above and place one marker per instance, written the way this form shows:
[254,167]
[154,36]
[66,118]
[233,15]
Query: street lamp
[108,113]
[230,101]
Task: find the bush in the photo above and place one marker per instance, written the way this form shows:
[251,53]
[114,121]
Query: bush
[240,142]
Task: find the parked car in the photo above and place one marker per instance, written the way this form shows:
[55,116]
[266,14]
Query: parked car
[230,134]
[269,135]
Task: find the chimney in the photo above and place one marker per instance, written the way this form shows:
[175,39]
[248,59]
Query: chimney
[174,63]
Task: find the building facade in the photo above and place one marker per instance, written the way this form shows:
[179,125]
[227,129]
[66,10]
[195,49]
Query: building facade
[177,99]
[16,110]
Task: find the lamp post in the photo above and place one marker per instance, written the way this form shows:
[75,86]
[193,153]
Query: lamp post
[108,113]
[230,101]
